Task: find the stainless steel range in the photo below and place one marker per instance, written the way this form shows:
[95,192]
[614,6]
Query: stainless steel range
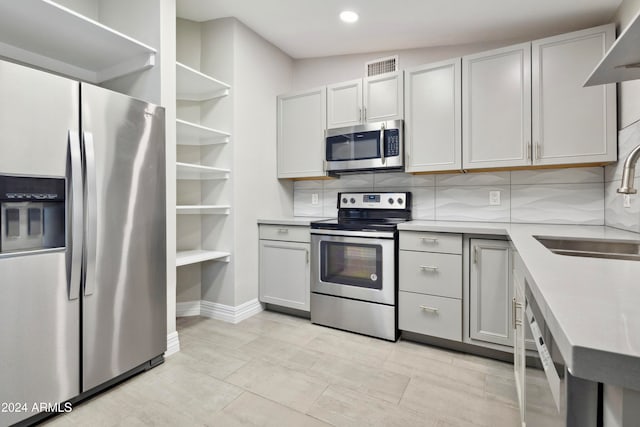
[354,264]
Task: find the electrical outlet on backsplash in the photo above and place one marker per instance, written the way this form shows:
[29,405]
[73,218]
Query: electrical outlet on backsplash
[616,214]
[554,196]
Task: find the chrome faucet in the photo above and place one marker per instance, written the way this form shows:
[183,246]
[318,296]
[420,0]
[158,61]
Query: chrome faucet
[629,171]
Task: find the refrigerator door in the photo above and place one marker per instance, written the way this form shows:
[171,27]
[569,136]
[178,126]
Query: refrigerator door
[39,322]
[124,306]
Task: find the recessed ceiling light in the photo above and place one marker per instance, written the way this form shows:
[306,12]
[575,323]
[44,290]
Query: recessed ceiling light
[348,16]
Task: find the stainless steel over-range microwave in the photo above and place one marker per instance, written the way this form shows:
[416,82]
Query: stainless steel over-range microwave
[372,146]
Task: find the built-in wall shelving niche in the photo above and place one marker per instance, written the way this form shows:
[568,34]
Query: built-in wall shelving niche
[203,209]
[189,171]
[49,36]
[192,85]
[198,255]
[194,134]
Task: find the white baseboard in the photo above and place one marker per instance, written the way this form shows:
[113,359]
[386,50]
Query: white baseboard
[173,344]
[228,313]
[189,308]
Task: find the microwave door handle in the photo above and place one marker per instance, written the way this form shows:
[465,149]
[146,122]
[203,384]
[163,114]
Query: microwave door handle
[382,158]
[77,215]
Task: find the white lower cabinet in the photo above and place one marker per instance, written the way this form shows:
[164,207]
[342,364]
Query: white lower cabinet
[430,315]
[284,266]
[490,292]
[430,283]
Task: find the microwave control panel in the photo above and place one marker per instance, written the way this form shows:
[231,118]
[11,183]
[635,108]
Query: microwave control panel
[392,143]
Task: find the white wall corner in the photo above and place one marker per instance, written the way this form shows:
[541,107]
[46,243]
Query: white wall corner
[228,313]
[173,344]
[189,308]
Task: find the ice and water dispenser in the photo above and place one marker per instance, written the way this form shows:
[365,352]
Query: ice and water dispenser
[32,213]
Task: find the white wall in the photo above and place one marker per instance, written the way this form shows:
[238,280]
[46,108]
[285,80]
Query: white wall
[261,72]
[312,72]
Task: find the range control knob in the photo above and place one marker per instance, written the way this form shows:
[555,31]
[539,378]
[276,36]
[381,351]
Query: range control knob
[390,201]
[344,200]
[352,200]
[400,201]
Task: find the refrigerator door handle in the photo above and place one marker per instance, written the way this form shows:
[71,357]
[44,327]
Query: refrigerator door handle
[77,206]
[91,223]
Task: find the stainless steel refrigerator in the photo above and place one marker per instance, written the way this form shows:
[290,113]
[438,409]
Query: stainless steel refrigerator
[82,247]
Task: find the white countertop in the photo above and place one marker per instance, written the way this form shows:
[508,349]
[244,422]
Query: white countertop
[292,220]
[591,305]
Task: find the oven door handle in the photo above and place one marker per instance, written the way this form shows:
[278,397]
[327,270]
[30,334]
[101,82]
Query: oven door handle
[350,233]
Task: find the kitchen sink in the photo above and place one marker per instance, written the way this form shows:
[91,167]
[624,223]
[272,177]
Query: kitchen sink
[592,248]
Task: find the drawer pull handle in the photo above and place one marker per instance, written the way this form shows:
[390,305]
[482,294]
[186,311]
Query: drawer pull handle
[283,230]
[427,308]
[428,240]
[428,267]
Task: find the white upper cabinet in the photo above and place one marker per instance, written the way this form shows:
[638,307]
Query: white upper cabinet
[571,123]
[301,126]
[372,99]
[433,123]
[345,104]
[496,102]
[383,98]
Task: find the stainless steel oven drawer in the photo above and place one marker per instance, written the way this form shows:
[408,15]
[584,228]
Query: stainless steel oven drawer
[448,243]
[430,315]
[288,233]
[431,273]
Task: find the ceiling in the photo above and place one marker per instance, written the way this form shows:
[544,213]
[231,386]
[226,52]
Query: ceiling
[311,28]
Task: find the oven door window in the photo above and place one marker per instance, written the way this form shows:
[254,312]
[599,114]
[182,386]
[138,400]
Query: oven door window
[351,264]
[354,146]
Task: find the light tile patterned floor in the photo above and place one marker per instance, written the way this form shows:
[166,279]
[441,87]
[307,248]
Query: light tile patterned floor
[278,370]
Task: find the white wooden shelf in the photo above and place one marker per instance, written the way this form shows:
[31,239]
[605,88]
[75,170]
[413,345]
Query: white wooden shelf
[622,61]
[194,134]
[203,209]
[199,255]
[192,85]
[47,35]
[196,172]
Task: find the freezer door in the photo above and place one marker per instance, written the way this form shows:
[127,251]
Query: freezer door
[124,306]
[39,322]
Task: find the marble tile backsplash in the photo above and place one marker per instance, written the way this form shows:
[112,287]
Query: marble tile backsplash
[554,196]
[616,215]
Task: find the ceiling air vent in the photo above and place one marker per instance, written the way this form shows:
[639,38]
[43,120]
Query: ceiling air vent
[381,66]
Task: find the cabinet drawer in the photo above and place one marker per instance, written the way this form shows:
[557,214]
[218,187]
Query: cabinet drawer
[429,315]
[288,233]
[448,243]
[431,273]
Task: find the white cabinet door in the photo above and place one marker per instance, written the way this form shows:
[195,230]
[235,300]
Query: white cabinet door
[433,123]
[284,274]
[496,102]
[301,127]
[571,123]
[490,293]
[344,104]
[383,97]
